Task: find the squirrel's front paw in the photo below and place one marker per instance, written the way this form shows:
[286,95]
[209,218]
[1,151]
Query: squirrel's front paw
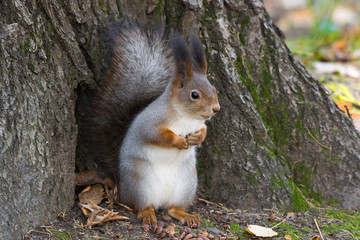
[196,138]
[181,143]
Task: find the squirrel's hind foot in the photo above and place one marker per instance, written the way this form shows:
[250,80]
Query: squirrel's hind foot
[148,216]
[184,217]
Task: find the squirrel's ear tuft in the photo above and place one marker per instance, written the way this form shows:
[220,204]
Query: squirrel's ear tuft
[197,53]
[182,59]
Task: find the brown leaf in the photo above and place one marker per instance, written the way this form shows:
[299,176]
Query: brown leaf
[316,237]
[100,216]
[339,49]
[87,177]
[94,194]
[271,218]
[111,193]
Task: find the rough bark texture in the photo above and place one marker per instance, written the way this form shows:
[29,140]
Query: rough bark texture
[277,133]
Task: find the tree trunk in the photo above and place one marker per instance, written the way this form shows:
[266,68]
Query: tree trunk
[278,136]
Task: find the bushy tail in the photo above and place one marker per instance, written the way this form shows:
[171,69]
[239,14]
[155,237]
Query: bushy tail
[140,67]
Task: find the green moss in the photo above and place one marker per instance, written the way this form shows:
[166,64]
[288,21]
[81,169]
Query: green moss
[209,13]
[101,4]
[288,229]
[251,180]
[26,45]
[299,204]
[47,52]
[333,158]
[173,11]
[158,11]
[61,234]
[204,222]
[235,227]
[307,229]
[349,223]
[277,182]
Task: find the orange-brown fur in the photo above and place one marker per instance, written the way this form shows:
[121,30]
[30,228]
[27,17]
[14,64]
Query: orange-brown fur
[183,217]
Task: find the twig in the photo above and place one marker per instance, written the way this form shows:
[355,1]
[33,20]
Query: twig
[228,54]
[208,202]
[124,206]
[328,148]
[278,224]
[302,195]
[317,226]
[347,112]
[350,234]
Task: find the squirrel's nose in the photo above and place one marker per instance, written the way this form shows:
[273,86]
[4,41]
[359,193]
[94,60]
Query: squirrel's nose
[216,108]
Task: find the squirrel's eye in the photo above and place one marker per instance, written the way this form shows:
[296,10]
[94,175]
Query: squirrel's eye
[195,95]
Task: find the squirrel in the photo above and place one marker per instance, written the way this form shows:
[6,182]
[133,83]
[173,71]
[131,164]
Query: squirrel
[163,83]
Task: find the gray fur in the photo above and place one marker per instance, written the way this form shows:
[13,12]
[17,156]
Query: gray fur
[146,63]
[137,193]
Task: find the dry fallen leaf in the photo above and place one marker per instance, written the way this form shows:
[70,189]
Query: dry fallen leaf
[316,237]
[260,231]
[99,215]
[111,191]
[87,177]
[93,194]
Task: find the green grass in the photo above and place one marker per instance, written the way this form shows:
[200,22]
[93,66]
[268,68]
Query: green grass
[350,223]
[206,223]
[62,234]
[288,229]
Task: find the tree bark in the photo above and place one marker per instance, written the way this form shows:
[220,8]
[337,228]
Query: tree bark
[278,138]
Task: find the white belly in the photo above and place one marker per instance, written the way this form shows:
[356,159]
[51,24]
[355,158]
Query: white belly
[171,176]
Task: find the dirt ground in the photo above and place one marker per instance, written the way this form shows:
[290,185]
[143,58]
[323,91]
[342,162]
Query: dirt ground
[217,222]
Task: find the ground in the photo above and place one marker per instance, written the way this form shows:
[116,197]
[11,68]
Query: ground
[216,220]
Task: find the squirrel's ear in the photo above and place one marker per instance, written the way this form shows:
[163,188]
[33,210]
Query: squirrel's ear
[182,59]
[197,53]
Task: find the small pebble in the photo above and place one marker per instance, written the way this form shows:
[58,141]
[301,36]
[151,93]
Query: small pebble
[187,229]
[182,234]
[173,225]
[162,235]
[189,236]
[160,224]
[194,226]
[158,230]
[170,235]
[170,229]
[202,237]
[226,227]
[211,237]
[166,218]
[129,227]
[146,227]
